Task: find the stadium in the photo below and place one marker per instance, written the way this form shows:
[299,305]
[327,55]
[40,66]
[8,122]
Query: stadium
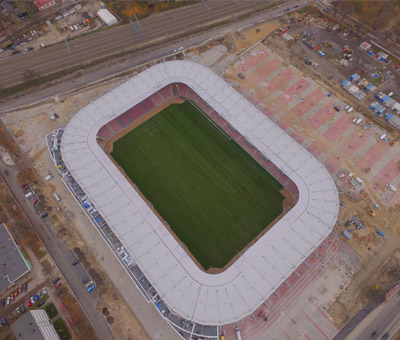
[164,267]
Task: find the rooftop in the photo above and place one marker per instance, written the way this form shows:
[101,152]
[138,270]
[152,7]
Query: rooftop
[208,299]
[34,325]
[12,262]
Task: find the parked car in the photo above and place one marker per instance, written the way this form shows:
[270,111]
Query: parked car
[85,280]
[44,214]
[57,285]
[16,293]
[75,262]
[36,201]
[44,291]
[12,297]
[56,280]
[25,287]
[3,303]
[63,307]
[32,299]
[36,297]
[88,284]
[8,300]
[20,289]
[29,303]
[40,294]
[90,288]
[22,308]
[41,303]
[18,310]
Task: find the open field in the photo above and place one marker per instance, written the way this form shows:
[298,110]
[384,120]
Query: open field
[213,195]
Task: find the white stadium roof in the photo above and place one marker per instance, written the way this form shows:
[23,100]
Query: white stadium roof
[208,299]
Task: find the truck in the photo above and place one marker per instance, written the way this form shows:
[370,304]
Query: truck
[58,199]
[239,337]
[381,138]
[29,194]
[359,180]
[391,187]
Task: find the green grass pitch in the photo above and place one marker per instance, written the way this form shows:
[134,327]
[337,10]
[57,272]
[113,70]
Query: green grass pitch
[214,196]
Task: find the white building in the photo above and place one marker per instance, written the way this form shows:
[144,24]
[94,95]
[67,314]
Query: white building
[108,18]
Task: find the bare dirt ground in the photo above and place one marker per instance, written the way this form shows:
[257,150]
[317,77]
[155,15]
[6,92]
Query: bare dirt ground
[29,128]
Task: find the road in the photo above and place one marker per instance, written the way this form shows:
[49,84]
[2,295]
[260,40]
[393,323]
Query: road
[60,253]
[98,44]
[111,68]
[384,319]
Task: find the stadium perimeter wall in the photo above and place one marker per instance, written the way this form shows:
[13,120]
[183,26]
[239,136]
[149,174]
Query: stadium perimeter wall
[203,298]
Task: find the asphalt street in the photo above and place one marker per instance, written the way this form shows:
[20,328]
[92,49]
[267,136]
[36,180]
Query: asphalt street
[62,256]
[384,319]
[98,44]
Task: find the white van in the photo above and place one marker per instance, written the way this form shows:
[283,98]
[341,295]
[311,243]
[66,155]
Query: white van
[71,28]
[358,121]
[76,28]
[350,109]
[391,187]
[381,138]
[29,194]
[359,180]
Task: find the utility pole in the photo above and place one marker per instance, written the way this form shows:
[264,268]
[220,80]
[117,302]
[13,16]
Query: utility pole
[140,26]
[135,29]
[66,44]
[208,9]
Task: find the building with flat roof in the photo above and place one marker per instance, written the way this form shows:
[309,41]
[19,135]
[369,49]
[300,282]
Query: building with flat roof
[13,264]
[34,325]
[107,17]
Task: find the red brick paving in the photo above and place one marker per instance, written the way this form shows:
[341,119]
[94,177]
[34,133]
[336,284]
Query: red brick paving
[338,129]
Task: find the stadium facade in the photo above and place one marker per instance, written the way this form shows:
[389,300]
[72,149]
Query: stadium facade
[186,290]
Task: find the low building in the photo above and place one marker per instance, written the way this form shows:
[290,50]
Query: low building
[34,325]
[13,264]
[41,5]
[107,17]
